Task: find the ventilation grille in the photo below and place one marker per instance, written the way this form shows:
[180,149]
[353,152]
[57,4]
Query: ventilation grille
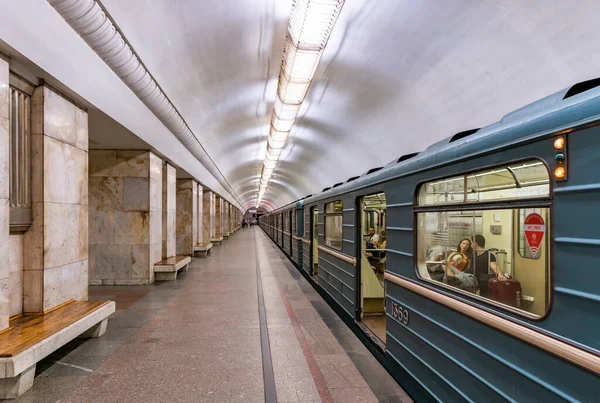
[406,157]
[370,171]
[352,179]
[462,135]
[338,184]
[326,189]
[582,87]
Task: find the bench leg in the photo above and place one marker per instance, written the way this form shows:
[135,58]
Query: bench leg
[96,330]
[165,276]
[11,388]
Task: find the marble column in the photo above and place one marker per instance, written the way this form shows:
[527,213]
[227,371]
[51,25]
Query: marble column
[186,219]
[125,216]
[225,219]
[208,216]
[169,211]
[199,233]
[4,194]
[218,221]
[56,262]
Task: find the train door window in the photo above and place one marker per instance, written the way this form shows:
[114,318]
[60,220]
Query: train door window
[333,224]
[373,264]
[294,228]
[315,239]
[500,254]
[286,221]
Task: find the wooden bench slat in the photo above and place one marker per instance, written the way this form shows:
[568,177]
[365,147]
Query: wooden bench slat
[26,331]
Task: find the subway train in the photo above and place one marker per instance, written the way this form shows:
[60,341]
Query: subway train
[470,269]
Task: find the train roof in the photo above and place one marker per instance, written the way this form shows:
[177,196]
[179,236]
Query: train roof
[572,106]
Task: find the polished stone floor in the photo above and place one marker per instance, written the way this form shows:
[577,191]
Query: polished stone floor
[198,339]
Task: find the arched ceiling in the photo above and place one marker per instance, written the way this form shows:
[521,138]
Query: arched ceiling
[396,76]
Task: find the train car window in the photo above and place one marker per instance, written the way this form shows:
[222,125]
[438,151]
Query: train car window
[528,179]
[286,221]
[447,191]
[294,222]
[333,224]
[499,254]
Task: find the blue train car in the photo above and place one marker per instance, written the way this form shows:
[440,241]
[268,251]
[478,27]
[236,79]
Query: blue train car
[469,269]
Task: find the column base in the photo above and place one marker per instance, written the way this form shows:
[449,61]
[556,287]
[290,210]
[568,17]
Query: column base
[11,388]
[95,331]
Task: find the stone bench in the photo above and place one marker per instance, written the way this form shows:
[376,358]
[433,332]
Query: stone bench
[202,250]
[31,338]
[217,241]
[226,235]
[167,268]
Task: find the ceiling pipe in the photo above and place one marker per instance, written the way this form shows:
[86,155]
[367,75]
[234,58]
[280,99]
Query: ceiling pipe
[93,23]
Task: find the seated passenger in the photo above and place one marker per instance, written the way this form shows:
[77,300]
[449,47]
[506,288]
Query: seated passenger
[377,257]
[483,261]
[461,258]
[372,239]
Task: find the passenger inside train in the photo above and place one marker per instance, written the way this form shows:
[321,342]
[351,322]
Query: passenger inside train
[373,264]
[501,257]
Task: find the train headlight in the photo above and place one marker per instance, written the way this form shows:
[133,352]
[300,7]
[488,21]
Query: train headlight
[560,147]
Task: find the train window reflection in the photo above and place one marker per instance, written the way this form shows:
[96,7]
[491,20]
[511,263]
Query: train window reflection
[515,181]
[333,224]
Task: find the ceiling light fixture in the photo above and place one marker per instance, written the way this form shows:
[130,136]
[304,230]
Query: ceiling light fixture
[309,28]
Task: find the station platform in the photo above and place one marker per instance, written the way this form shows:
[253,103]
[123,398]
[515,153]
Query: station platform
[241,325]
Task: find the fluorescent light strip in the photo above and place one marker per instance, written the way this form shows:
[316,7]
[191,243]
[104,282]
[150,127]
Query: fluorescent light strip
[309,28]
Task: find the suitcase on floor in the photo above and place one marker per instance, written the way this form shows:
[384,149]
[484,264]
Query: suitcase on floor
[506,292]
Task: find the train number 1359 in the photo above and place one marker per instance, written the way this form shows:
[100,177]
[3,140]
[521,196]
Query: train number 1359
[400,313]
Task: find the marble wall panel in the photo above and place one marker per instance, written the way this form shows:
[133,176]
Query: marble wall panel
[198,227]
[103,163]
[140,260]
[155,256]
[106,193]
[218,205]
[130,194]
[136,194]
[64,283]
[195,221]
[83,232]
[4,89]
[133,163]
[15,293]
[81,129]
[6,305]
[33,291]
[168,211]
[59,118]
[113,262]
[156,195]
[131,227]
[184,222]
[156,167]
[15,280]
[55,265]
[61,234]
